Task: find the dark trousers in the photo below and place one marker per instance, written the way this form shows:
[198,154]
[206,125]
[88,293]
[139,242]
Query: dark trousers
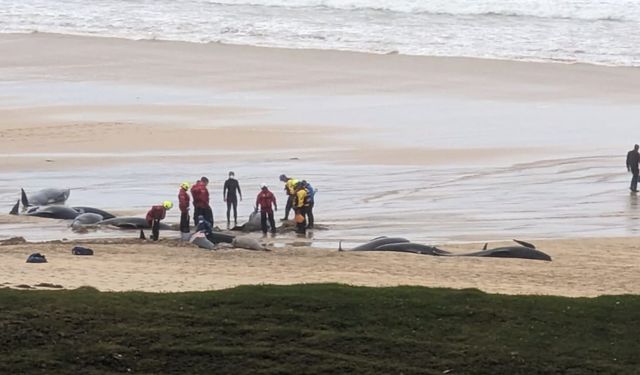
[184,222]
[232,202]
[206,212]
[634,179]
[287,209]
[155,230]
[263,221]
[310,215]
[301,228]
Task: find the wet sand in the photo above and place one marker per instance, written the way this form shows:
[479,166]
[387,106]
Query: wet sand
[580,268]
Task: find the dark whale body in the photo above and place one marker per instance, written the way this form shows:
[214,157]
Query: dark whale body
[44,197]
[521,252]
[132,223]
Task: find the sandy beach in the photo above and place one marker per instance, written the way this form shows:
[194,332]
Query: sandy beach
[426,147]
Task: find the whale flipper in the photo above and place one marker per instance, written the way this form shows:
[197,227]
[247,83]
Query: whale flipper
[524,243]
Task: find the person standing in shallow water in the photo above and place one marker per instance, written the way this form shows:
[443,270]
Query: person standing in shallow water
[266,202]
[201,206]
[633,159]
[229,195]
[183,204]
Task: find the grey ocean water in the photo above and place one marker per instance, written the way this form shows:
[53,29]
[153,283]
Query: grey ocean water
[592,31]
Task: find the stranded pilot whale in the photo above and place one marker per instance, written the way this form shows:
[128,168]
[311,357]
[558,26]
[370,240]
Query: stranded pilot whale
[132,223]
[44,197]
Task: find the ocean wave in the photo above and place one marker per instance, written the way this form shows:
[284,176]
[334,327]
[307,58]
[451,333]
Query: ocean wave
[613,11]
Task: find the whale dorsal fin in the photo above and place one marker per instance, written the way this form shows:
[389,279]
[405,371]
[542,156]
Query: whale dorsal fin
[25,200]
[485,246]
[14,210]
[524,243]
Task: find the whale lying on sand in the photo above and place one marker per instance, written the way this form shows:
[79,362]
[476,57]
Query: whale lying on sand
[377,242]
[44,197]
[248,243]
[92,210]
[397,244]
[132,223]
[50,212]
[86,220]
[521,252]
[59,211]
[253,225]
[525,250]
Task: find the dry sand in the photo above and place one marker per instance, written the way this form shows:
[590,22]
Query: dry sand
[580,268]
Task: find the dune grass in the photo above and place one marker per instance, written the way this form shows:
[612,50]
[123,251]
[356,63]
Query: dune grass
[313,329]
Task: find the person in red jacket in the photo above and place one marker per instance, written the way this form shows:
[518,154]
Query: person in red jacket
[183,204]
[155,214]
[201,206]
[264,201]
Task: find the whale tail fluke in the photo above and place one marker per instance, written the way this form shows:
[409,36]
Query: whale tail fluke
[485,246]
[16,207]
[25,200]
[525,244]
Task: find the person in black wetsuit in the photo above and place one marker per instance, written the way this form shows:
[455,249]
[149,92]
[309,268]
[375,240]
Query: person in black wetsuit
[633,159]
[231,186]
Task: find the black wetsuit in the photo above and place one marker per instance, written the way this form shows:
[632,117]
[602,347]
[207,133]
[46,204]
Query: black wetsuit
[229,192]
[633,158]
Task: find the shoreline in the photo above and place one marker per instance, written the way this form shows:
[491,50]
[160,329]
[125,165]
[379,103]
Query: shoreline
[363,52]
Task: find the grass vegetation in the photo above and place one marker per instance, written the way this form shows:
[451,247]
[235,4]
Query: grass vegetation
[314,329]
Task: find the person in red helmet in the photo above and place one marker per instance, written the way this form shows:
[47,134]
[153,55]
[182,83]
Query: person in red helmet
[183,204]
[155,215]
[264,202]
[201,206]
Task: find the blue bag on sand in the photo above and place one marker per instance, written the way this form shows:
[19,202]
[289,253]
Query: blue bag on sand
[79,250]
[36,258]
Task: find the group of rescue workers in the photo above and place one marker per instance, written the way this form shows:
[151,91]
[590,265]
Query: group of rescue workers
[300,199]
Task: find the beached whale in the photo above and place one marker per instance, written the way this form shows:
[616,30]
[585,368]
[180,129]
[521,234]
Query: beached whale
[375,243]
[44,197]
[132,223]
[521,252]
[244,242]
[86,210]
[410,247]
[51,212]
[86,220]
[526,250]
[253,225]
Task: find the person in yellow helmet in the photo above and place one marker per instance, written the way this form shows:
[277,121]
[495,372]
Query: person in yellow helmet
[300,205]
[290,189]
[155,214]
[183,204]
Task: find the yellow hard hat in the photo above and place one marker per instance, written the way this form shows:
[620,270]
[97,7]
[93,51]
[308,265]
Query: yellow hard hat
[167,204]
[185,185]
